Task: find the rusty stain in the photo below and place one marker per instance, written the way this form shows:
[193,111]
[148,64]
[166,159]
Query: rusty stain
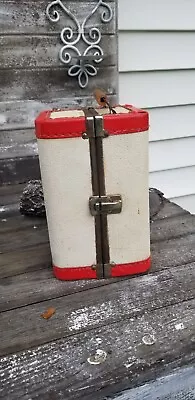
[49,313]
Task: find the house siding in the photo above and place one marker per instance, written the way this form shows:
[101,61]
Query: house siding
[157,73]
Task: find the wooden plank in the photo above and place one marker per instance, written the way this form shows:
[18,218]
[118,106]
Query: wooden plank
[9,137]
[38,285]
[61,369]
[172,253]
[50,83]
[167,181]
[8,191]
[10,194]
[9,207]
[9,202]
[19,170]
[170,228]
[171,122]
[35,237]
[20,222]
[178,384]
[169,209]
[161,154]
[165,254]
[29,259]
[22,17]
[15,149]
[152,51]
[181,86]
[22,114]
[157,16]
[87,310]
[43,51]
[18,143]
[10,210]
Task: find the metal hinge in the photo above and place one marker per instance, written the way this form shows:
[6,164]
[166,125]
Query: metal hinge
[103,270]
[109,204]
[99,130]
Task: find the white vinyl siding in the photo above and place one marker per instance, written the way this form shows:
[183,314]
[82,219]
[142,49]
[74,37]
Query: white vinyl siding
[157,73]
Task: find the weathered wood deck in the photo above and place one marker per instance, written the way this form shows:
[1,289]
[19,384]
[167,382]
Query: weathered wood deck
[145,325]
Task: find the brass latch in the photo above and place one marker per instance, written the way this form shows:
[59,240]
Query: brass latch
[110,204]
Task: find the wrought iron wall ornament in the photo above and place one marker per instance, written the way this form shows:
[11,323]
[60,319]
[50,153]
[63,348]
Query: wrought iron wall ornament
[85,61]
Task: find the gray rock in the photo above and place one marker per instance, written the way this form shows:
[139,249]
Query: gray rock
[32,200]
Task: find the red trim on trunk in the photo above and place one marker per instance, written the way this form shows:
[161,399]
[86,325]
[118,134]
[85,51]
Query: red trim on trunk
[131,268]
[77,273]
[62,128]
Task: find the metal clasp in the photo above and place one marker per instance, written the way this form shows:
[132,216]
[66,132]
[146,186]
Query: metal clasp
[91,131]
[110,204]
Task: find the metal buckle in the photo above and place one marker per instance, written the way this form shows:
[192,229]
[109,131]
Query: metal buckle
[109,204]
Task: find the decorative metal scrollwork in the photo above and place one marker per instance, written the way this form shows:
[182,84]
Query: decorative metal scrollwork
[93,53]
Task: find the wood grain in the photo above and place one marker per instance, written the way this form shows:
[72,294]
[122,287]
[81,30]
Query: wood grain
[14,149]
[22,114]
[21,17]
[169,209]
[19,222]
[174,252]
[47,84]
[10,194]
[33,287]
[60,370]
[24,238]
[179,383]
[32,77]
[87,310]
[21,136]
[169,228]
[7,211]
[43,51]
[166,254]
[37,286]
[33,258]
[19,169]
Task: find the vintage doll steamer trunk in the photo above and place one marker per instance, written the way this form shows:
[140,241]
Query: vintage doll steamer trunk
[94,169]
